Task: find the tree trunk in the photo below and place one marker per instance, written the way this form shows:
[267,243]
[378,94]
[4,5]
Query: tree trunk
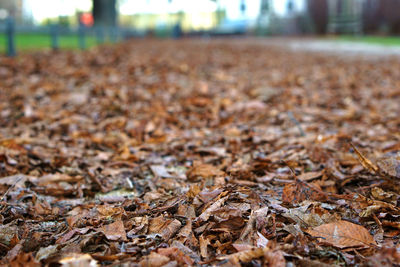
[104,12]
[318,11]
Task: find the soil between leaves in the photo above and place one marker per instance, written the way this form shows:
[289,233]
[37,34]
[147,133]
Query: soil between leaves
[182,153]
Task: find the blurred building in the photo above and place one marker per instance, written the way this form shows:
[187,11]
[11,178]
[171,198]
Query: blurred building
[266,16]
[164,14]
[372,17]
[345,16]
[294,20]
[355,16]
[381,16]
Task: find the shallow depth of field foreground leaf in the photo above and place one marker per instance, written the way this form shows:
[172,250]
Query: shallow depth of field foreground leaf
[343,234]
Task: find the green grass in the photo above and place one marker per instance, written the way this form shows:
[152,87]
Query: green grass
[380,40]
[29,42]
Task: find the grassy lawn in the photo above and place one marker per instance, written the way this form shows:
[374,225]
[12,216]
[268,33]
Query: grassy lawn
[26,42]
[380,40]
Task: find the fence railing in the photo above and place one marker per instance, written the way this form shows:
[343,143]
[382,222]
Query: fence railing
[100,34]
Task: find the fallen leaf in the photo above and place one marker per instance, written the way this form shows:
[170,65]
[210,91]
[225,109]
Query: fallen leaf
[390,165]
[154,260]
[24,260]
[207,213]
[160,171]
[78,260]
[343,234]
[166,228]
[114,231]
[367,164]
[202,171]
[299,191]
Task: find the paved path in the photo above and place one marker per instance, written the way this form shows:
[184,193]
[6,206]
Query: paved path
[345,47]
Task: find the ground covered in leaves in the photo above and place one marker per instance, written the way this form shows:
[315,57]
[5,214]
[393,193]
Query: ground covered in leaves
[198,153]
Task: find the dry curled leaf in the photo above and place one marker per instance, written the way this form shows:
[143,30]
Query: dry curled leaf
[367,164]
[387,166]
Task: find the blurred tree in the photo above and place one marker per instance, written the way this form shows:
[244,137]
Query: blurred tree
[104,12]
[391,15]
[372,16]
[318,12]
[381,16]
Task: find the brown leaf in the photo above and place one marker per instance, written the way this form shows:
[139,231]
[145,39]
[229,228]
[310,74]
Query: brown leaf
[114,231]
[78,260]
[390,165]
[275,258]
[299,191]
[308,176]
[24,260]
[56,178]
[343,234]
[202,171]
[246,255]
[164,227]
[204,242]
[176,254]
[154,260]
[207,213]
[367,164]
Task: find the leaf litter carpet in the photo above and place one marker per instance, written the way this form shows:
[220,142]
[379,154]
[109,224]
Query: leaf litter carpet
[199,153]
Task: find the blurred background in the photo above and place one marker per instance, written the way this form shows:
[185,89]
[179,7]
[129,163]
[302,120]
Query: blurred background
[84,23]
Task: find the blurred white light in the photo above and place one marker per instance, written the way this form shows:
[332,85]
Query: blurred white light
[165,6]
[3,13]
[43,9]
